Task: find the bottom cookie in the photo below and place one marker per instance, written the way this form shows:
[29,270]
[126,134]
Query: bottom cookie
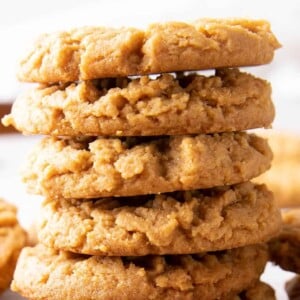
[285,249]
[12,239]
[44,273]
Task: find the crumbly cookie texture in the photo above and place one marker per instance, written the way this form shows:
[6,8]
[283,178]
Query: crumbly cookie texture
[284,176]
[101,167]
[168,105]
[285,249]
[98,52]
[174,223]
[12,239]
[43,273]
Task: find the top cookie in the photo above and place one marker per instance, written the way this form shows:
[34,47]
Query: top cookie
[97,52]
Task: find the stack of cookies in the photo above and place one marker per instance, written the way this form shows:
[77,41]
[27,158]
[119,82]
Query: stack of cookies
[146,168]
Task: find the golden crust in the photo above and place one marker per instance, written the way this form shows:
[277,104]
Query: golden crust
[173,223]
[44,273]
[102,167]
[168,105]
[97,52]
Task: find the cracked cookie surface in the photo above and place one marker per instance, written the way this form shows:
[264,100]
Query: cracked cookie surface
[173,223]
[102,167]
[168,105]
[43,273]
[98,52]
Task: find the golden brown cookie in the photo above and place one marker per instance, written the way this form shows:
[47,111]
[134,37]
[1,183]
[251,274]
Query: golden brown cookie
[285,249]
[284,176]
[98,52]
[167,105]
[43,273]
[101,167]
[12,240]
[173,223]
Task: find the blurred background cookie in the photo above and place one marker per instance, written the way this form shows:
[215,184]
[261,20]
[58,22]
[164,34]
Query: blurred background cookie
[285,249]
[284,176]
[12,240]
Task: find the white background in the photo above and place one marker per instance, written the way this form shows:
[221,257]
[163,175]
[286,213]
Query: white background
[22,21]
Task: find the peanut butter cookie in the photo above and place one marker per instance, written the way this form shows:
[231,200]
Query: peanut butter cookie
[43,273]
[12,239]
[98,52]
[167,105]
[173,223]
[101,167]
[284,176]
[285,249]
